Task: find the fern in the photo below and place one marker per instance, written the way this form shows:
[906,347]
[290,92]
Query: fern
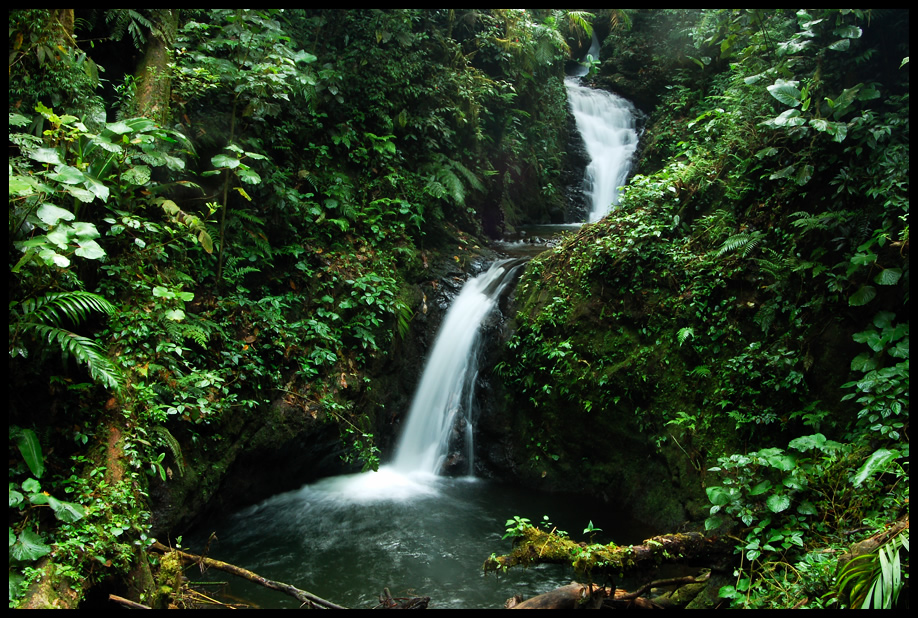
[128,21]
[56,307]
[744,241]
[169,440]
[45,317]
[83,349]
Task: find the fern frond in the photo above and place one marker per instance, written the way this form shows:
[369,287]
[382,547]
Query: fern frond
[166,437]
[83,350]
[453,185]
[747,242]
[580,21]
[56,307]
[470,177]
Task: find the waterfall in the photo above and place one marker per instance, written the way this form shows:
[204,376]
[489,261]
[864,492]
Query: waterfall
[606,122]
[444,400]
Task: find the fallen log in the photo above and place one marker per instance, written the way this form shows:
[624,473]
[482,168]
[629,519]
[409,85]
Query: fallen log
[583,596]
[599,561]
[307,598]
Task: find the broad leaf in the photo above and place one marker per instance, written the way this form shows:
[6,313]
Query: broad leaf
[47,155]
[863,296]
[719,496]
[778,502]
[786,92]
[51,214]
[888,276]
[876,463]
[225,161]
[30,448]
[29,547]
[66,511]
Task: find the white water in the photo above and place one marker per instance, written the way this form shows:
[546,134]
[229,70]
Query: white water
[446,391]
[442,406]
[606,123]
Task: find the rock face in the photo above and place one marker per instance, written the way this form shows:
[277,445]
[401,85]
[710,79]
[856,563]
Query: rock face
[575,162]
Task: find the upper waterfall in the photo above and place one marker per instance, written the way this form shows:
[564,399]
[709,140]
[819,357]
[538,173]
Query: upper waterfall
[606,122]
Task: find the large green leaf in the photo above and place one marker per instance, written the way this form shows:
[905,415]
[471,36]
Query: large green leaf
[66,511]
[29,446]
[877,462]
[778,502]
[51,214]
[888,276]
[863,296]
[719,496]
[786,92]
[225,161]
[29,546]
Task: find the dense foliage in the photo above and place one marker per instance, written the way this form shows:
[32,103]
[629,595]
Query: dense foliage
[745,313]
[235,226]
[221,221]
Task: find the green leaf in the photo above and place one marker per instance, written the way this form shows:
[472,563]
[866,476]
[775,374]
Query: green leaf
[28,445]
[804,175]
[782,462]
[786,92]
[719,496]
[90,250]
[247,175]
[760,489]
[789,118]
[807,508]
[777,503]
[29,547]
[805,443]
[66,511]
[120,128]
[863,296]
[18,120]
[876,463]
[137,175]
[888,276]
[225,161]
[68,175]
[787,171]
[16,499]
[51,214]
[47,155]
[848,32]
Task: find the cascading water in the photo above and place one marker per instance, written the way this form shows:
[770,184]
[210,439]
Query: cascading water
[444,398]
[607,124]
[404,527]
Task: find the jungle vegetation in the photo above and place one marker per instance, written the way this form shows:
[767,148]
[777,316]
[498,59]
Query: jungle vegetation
[222,223]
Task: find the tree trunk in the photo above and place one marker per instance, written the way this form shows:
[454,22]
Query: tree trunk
[154,82]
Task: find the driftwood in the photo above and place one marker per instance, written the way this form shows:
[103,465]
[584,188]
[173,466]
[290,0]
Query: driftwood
[387,601]
[585,596]
[307,598]
[127,602]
